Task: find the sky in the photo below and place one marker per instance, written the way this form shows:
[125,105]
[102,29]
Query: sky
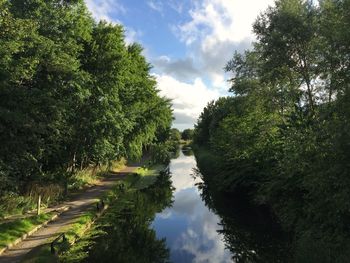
[188,42]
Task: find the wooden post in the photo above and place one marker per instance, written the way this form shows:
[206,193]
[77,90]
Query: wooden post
[39,204]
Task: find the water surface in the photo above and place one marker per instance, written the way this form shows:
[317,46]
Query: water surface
[189,227]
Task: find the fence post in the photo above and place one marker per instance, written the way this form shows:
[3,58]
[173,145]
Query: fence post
[39,204]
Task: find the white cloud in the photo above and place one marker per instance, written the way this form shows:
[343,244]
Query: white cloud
[105,9]
[215,21]
[176,5]
[215,30]
[108,10]
[201,231]
[188,99]
[156,6]
[182,173]
[131,35]
[181,69]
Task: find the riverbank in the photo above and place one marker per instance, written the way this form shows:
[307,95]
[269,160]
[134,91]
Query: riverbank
[78,206]
[139,177]
[122,200]
[252,228]
[17,227]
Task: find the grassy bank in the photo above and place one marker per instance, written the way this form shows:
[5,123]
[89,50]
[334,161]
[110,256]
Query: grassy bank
[79,230]
[72,233]
[92,175]
[125,221]
[14,205]
[147,175]
[11,231]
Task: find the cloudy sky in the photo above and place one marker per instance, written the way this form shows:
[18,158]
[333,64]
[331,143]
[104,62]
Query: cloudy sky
[188,42]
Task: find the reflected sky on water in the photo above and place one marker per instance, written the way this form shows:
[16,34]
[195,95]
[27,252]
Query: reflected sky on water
[189,227]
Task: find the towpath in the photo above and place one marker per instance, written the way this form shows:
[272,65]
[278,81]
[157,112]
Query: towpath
[78,206]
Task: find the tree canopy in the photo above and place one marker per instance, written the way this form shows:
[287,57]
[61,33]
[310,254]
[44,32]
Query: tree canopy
[282,139]
[187,134]
[72,93]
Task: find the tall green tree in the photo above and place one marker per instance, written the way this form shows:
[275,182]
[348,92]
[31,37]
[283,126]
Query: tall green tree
[187,134]
[281,141]
[41,83]
[72,93]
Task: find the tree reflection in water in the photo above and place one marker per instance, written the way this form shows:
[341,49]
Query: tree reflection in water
[123,234]
[187,151]
[250,232]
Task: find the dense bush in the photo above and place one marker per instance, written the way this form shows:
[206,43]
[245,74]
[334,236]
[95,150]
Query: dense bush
[283,139]
[73,94]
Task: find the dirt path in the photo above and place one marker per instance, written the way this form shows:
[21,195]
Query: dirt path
[78,205]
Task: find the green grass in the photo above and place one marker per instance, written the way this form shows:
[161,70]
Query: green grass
[12,204]
[77,229]
[11,231]
[149,171]
[83,179]
[72,233]
[118,200]
[143,178]
[91,176]
[147,175]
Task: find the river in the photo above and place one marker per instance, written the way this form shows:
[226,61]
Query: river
[180,219]
[189,227]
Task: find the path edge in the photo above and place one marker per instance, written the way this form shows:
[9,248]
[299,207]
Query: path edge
[35,229]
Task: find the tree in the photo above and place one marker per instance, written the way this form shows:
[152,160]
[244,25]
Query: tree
[286,42]
[175,135]
[187,134]
[280,141]
[42,83]
[72,94]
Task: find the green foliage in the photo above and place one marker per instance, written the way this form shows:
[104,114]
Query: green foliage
[12,203]
[148,175]
[187,134]
[281,140]
[123,234]
[82,179]
[73,95]
[13,230]
[175,135]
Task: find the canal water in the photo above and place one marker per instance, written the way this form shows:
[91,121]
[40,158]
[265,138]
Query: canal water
[189,227]
[170,221]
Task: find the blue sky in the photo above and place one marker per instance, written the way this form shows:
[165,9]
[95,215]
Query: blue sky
[188,42]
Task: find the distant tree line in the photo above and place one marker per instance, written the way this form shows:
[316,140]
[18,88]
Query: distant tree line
[177,136]
[283,138]
[73,94]
[187,134]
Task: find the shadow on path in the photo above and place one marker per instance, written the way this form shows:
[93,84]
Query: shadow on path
[78,207]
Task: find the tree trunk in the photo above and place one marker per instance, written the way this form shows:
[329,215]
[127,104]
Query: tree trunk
[309,94]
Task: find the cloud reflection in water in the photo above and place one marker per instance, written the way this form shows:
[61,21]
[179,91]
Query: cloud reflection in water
[189,227]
